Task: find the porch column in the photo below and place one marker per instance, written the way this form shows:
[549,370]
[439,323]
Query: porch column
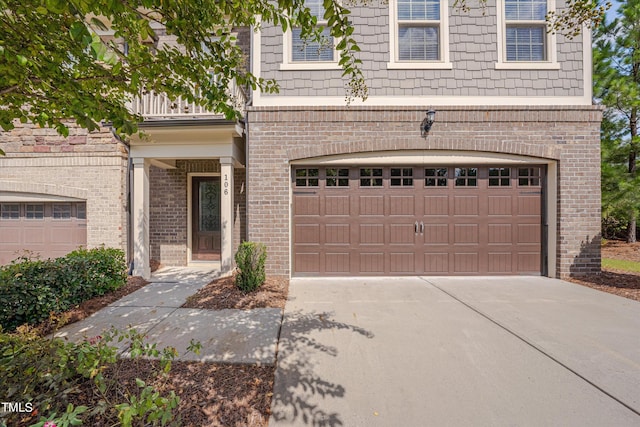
[140,217]
[226,213]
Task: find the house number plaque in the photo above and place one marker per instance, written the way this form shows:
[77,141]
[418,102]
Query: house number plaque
[226,185]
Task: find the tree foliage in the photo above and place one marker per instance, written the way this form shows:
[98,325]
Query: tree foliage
[85,59]
[56,63]
[617,87]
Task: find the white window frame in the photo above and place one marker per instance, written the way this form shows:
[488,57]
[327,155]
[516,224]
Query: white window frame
[442,64]
[551,63]
[287,54]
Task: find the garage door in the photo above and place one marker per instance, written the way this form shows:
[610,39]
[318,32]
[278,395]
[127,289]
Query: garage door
[432,220]
[49,230]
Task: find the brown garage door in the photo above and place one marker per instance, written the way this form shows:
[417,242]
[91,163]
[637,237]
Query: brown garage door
[453,220]
[49,230]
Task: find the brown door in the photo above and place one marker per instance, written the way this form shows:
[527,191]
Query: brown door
[406,220]
[205,218]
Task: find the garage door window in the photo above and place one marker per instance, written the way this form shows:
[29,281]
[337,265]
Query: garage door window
[466,177]
[435,177]
[34,211]
[81,209]
[10,211]
[529,177]
[401,177]
[499,177]
[307,177]
[62,211]
[371,177]
[337,177]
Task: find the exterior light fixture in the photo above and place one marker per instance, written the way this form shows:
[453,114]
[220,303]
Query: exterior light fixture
[426,124]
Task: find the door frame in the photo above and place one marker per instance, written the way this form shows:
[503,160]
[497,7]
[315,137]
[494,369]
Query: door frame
[190,177]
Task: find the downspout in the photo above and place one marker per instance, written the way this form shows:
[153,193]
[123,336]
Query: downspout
[128,185]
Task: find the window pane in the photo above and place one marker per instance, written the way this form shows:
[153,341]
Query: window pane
[421,10]
[525,43]
[62,211]
[34,211]
[334,181]
[81,211]
[418,43]
[10,211]
[525,10]
[308,50]
[316,7]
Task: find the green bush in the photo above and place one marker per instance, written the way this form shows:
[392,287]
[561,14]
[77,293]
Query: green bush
[30,290]
[73,384]
[250,260]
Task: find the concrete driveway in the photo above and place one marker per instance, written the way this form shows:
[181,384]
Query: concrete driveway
[516,351]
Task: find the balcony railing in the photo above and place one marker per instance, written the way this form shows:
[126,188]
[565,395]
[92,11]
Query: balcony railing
[156,106]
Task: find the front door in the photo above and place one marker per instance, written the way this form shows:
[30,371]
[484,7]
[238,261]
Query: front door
[205,218]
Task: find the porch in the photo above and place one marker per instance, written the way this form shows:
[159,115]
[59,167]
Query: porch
[187,203]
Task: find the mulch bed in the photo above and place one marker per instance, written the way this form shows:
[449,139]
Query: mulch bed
[211,394]
[621,283]
[223,293]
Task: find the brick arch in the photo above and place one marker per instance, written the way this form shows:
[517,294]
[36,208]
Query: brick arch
[44,189]
[436,143]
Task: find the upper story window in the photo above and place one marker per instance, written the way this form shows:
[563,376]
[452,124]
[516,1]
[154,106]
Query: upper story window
[523,38]
[419,34]
[302,54]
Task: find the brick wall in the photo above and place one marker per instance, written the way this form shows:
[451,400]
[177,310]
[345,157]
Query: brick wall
[86,166]
[569,135]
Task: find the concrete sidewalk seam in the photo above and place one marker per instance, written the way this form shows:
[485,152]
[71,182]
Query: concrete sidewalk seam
[532,345]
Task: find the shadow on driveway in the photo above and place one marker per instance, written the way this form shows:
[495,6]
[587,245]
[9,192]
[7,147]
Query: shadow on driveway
[298,387]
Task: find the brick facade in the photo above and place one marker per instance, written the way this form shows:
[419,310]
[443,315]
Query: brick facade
[569,135]
[85,166]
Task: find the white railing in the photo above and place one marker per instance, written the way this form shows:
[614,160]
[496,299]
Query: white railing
[152,105]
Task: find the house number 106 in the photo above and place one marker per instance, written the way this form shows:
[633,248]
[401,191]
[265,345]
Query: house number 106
[226,185]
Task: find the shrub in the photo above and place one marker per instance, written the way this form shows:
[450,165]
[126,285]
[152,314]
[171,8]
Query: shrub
[71,384]
[250,260]
[30,290]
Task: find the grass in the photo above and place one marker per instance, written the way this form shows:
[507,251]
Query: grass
[620,264]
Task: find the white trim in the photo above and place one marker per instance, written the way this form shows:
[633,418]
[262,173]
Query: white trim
[587,64]
[18,197]
[552,49]
[256,58]
[444,62]
[426,157]
[190,176]
[420,101]
[289,65]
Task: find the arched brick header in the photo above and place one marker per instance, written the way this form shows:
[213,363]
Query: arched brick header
[353,147]
[44,189]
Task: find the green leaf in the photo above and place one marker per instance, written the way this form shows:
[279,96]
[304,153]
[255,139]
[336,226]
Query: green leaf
[22,60]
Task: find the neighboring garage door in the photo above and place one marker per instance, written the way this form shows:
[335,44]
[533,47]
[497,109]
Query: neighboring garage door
[408,220]
[48,230]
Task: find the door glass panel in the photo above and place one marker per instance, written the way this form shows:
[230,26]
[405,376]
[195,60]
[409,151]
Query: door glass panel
[209,206]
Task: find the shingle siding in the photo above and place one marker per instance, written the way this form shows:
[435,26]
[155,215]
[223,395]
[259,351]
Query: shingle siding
[473,53]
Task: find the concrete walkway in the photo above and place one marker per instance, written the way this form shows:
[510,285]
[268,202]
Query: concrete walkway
[233,336]
[456,352]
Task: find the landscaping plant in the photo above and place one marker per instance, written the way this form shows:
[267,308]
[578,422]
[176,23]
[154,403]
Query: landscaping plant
[72,384]
[250,260]
[32,289]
